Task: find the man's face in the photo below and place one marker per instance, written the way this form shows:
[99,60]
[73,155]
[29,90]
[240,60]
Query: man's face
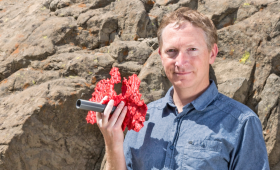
[185,56]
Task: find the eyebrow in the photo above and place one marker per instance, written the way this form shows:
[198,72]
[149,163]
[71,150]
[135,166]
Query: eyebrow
[188,45]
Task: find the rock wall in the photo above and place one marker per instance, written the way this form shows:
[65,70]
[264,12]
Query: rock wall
[53,52]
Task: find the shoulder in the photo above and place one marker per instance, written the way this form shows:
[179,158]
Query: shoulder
[244,122]
[155,108]
[157,103]
[235,109]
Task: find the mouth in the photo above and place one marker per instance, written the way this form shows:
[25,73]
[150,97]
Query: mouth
[182,73]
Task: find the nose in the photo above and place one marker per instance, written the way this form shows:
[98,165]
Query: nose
[182,59]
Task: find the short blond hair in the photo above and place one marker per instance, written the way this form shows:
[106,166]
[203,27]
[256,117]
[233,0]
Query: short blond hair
[197,19]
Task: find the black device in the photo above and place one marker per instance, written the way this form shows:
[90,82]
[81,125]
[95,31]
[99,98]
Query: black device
[97,107]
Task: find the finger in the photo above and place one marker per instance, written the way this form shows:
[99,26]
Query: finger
[105,98]
[116,114]
[99,118]
[98,114]
[121,117]
[107,112]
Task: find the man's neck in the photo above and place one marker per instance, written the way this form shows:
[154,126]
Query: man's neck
[181,97]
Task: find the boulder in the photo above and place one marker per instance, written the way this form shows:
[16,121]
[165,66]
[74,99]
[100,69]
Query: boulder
[78,64]
[25,78]
[269,114]
[123,51]
[256,37]
[162,7]
[233,78]
[42,129]
[132,19]
[154,83]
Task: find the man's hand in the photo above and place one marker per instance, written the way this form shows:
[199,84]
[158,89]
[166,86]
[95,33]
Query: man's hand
[113,134]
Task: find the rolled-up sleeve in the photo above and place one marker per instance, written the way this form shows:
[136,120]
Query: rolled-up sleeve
[250,152]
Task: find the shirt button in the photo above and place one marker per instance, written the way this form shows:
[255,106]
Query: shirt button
[171,147]
[190,142]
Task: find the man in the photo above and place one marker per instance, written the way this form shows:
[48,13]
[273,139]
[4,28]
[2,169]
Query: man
[193,126]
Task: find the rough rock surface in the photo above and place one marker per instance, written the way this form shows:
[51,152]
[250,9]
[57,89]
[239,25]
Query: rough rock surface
[269,112]
[154,82]
[235,85]
[41,129]
[53,52]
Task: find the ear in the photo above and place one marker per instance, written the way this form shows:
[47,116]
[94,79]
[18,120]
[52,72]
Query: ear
[213,54]
[159,52]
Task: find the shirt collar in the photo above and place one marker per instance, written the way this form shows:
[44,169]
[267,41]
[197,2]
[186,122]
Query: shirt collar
[199,103]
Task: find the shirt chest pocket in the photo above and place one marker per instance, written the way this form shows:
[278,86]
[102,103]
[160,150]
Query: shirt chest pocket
[202,154]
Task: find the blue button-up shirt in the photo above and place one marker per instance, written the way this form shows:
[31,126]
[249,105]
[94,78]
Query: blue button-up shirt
[213,132]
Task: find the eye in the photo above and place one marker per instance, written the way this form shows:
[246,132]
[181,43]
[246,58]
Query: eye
[171,50]
[193,49]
